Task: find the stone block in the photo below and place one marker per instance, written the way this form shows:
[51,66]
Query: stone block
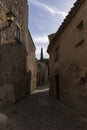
[3,120]
[7,94]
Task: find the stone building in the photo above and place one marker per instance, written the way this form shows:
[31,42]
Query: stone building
[68,59]
[31,62]
[16,49]
[42,73]
[42,70]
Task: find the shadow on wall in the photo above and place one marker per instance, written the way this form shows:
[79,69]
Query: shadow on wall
[30,77]
[42,74]
[13,71]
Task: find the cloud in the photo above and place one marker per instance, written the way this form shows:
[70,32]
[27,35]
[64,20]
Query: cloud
[52,10]
[38,52]
[37,23]
[40,39]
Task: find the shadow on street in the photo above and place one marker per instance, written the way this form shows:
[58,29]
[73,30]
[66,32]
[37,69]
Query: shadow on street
[40,112]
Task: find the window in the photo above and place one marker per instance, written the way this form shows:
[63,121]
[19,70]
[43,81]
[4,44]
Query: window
[17,33]
[81,30]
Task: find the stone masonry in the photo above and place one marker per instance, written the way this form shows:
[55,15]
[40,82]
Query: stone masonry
[15,46]
[42,73]
[31,61]
[68,64]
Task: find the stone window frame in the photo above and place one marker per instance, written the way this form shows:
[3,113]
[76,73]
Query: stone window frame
[80,28]
[18,31]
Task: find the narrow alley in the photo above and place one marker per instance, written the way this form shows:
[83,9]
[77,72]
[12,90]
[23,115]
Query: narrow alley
[40,112]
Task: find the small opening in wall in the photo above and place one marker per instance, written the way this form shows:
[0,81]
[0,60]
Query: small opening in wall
[17,32]
[82,77]
[80,28]
[82,80]
[79,43]
[80,25]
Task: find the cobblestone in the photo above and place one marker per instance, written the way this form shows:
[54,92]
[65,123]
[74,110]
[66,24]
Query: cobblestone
[41,112]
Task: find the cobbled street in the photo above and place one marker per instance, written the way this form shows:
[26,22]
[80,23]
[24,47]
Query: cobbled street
[40,112]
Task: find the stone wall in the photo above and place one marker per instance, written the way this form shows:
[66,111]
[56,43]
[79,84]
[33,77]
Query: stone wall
[71,65]
[13,69]
[42,73]
[15,46]
[31,61]
[21,20]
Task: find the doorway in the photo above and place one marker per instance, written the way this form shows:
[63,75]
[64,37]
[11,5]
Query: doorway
[57,86]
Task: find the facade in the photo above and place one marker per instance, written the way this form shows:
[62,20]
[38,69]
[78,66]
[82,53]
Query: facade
[31,62]
[42,73]
[15,55]
[68,64]
[42,70]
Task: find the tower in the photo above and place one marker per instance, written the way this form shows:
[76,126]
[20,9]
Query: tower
[41,56]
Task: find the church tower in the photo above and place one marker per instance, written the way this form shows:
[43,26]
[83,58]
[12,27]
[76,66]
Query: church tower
[41,55]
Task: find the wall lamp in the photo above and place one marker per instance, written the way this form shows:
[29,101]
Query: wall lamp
[9,19]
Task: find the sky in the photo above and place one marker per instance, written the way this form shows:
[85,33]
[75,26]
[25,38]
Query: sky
[45,17]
